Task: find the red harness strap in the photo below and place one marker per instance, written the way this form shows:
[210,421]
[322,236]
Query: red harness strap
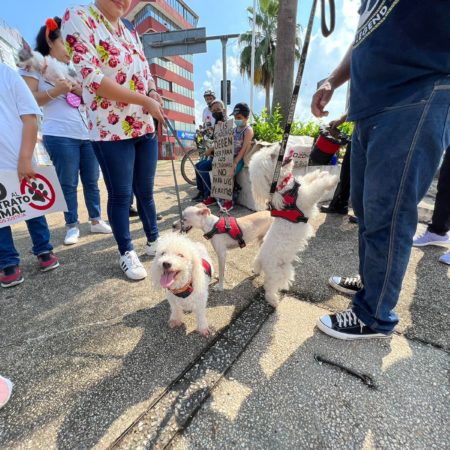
[188,289]
[227,225]
[290,210]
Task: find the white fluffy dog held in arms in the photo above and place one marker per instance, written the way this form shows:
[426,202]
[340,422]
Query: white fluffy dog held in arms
[184,269]
[293,204]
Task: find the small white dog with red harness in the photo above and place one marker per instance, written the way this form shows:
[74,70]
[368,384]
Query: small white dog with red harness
[225,232]
[184,269]
[293,204]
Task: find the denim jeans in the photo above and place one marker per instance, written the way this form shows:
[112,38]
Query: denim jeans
[204,181]
[40,236]
[70,158]
[129,166]
[395,155]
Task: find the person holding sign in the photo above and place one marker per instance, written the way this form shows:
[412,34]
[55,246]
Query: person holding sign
[18,135]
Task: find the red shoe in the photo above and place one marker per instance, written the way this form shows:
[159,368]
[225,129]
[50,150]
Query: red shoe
[48,261]
[209,201]
[11,276]
[228,205]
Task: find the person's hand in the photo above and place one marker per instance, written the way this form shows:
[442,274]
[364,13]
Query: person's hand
[62,87]
[234,166]
[77,89]
[25,170]
[152,107]
[208,152]
[155,96]
[335,123]
[321,98]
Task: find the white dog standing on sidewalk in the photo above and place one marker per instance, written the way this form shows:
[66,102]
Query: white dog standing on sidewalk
[184,268]
[295,198]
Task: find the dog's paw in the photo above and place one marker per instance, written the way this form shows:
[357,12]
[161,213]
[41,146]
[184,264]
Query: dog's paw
[204,332]
[272,299]
[175,323]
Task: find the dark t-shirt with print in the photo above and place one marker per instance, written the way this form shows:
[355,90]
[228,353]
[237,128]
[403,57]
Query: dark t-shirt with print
[401,48]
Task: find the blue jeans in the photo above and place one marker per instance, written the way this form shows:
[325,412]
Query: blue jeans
[70,158]
[129,166]
[204,181]
[40,236]
[395,155]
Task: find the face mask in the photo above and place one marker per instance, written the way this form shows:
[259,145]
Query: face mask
[238,122]
[218,116]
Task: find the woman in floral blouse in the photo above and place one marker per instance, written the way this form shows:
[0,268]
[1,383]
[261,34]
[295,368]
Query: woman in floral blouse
[122,102]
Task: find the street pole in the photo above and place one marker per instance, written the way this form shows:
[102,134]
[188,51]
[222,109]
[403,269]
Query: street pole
[252,63]
[224,41]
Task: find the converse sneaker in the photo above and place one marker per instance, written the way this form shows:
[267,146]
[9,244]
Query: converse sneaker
[429,238]
[101,227]
[345,325]
[209,201]
[47,261]
[6,388]
[131,266]
[445,258]
[72,235]
[150,248]
[347,285]
[11,276]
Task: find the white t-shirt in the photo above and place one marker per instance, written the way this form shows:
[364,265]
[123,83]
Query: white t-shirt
[60,119]
[208,117]
[16,100]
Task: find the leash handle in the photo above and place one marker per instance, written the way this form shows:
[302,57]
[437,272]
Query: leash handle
[298,80]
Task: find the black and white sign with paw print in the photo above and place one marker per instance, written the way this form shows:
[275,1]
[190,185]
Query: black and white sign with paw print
[40,191]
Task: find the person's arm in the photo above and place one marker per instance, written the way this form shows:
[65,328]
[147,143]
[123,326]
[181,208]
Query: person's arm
[29,137]
[76,32]
[326,90]
[336,123]
[44,97]
[245,146]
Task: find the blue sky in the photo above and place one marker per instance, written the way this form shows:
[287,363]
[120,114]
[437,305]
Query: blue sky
[225,17]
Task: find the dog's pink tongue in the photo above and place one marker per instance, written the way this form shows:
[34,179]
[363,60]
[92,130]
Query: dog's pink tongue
[167,279]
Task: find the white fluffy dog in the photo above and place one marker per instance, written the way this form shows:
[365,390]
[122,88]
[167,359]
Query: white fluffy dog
[285,238]
[184,268]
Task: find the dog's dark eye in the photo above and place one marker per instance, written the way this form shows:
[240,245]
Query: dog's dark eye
[163,253]
[180,255]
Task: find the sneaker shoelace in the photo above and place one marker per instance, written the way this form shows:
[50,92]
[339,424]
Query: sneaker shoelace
[347,318]
[353,282]
[134,260]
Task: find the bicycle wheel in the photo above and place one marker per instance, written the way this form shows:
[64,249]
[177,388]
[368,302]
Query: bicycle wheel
[187,169]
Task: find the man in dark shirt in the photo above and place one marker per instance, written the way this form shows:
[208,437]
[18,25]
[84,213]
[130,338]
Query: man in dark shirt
[399,67]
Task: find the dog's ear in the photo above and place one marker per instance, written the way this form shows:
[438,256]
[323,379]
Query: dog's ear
[204,211]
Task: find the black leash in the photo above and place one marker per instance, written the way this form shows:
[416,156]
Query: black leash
[326,31]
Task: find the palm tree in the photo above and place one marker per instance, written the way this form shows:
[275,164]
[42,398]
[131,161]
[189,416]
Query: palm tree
[265,46]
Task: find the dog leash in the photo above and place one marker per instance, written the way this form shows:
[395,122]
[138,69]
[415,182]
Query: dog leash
[326,31]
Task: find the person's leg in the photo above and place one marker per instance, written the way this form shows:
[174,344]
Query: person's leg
[40,235]
[89,174]
[203,178]
[116,158]
[440,223]
[65,155]
[9,256]
[143,181]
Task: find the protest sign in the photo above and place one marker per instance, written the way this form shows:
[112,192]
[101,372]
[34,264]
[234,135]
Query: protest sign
[24,200]
[222,166]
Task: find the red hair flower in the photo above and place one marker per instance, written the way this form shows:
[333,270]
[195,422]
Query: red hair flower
[50,25]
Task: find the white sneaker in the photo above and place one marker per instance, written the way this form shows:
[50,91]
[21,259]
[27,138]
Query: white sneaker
[445,258]
[150,248]
[131,266]
[429,238]
[72,236]
[101,227]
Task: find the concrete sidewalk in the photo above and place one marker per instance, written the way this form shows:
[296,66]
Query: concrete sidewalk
[90,353]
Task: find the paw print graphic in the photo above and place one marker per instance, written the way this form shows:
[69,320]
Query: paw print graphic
[38,196]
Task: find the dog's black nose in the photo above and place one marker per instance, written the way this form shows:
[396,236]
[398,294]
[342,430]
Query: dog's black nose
[167,265]
[174,225]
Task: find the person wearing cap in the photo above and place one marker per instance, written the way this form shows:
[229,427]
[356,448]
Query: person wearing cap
[207,115]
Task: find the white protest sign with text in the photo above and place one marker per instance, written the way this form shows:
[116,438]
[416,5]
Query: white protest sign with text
[24,200]
[222,166]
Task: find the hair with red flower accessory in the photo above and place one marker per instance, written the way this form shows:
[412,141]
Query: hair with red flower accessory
[50,25]
[48,33]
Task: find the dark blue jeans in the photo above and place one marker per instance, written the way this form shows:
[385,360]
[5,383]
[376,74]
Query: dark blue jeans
[40,236]
[70,158]
[395,155]
[129,166]
[204,181]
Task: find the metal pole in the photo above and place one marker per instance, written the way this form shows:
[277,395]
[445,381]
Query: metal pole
[224,75]
[252,63]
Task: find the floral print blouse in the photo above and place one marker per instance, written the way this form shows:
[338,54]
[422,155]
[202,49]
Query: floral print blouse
[97,51]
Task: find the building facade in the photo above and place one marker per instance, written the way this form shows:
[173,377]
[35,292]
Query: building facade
[10,43]
[174,75]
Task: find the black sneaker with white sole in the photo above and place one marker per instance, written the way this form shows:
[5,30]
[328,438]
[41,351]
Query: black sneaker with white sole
[345,325]
[347,285]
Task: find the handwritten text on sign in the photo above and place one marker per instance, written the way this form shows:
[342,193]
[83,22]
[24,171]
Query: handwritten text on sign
[222,167]
[24,200]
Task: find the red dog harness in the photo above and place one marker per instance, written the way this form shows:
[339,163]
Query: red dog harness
[290,210]
[227,225]
[188,289]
